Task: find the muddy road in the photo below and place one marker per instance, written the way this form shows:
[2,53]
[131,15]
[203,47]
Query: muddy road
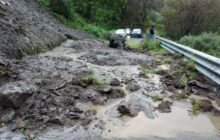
[84,90]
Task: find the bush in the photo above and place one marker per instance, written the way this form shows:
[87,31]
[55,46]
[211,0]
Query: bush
[97,31]
[94,80]
[64,10]
[62,7]
[154,48]
[44,3]
[206,42]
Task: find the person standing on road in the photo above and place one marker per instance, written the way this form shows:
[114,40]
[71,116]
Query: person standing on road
[151,32]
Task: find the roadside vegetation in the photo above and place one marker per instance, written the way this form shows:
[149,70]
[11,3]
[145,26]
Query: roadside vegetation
[172,19]
[206,42]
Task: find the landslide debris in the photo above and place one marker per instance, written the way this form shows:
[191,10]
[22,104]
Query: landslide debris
[26,28]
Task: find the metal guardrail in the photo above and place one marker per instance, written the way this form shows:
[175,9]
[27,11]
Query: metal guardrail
[206,64]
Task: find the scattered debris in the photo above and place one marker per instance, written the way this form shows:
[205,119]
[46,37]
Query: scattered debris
[14,94]
[133,86]
[7,115]
[115,82]
[165,107]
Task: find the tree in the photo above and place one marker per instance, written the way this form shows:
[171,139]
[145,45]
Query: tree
[185,17]
[60,7]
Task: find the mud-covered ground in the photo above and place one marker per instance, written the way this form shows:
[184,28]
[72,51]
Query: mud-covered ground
[85,90]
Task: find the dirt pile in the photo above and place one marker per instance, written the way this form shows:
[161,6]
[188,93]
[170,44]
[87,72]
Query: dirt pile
[59,105]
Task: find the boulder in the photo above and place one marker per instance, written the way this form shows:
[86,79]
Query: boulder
[14,94]
[133,86]
[206,106]
[115,82]
[116,41]
[132,107]
[164,107]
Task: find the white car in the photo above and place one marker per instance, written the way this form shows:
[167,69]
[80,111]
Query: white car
[120,32]
[137,33]
[128,31]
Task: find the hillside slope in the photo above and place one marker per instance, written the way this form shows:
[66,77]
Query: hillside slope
[26,28]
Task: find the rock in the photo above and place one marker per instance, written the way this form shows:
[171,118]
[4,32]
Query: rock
[57,120]
[116,41]
[206,106]
[124,110]
[111,92]
[217,100]
[7,115]
[133,86]
[164,107]
[115,82]
[132,107]
[116,93]
[90,113]
[14,94]
[13,126]
[104,90]
[95,97]
[86,121]
[99,100]
[73,115]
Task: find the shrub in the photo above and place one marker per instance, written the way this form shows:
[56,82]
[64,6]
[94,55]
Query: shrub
[153,47]
[62,7]
[44,3]
[196,103]
[92,79]
[157,98]
[97,31]
[206,42]
[146,70]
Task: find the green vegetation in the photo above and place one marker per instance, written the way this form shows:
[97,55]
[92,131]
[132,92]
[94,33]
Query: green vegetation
[196,105]
[156,98]
[191,17]
[191,64]
[178,96]
[183,80]
[134,44]
[154,48]
[93,80]
[147,70]
[165,60]
[172,18]
[206,42]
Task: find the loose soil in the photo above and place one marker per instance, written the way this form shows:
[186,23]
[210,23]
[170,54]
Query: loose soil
[82,89]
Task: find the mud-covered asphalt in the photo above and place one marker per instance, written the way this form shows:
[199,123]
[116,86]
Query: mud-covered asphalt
[60,105]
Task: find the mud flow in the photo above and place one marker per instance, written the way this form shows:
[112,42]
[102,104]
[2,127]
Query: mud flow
[85,90]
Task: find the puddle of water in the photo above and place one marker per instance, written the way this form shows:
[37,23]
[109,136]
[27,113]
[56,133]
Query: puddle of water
[215,121]
[165,126]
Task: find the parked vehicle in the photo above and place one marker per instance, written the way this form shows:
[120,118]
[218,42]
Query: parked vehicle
[128,31]
[136,33]
[121,32]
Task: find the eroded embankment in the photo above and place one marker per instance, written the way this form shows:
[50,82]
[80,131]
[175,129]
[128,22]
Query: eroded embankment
[26,28]
[85,90]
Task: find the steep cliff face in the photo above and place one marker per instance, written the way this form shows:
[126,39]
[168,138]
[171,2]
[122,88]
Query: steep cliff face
[26,28]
